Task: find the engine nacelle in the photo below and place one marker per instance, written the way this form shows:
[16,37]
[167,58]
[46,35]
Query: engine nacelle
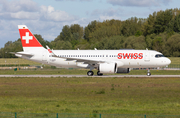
[107,68]
[122,70]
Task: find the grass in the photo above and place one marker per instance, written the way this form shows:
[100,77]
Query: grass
[89,95]
[175,60]
[17,61]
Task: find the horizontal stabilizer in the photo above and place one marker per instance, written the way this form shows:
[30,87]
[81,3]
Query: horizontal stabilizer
[22,53]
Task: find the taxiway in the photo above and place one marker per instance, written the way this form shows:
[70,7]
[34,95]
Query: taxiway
[89,76]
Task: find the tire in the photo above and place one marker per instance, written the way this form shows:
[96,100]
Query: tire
[148,74]
[99,74]
[90,73]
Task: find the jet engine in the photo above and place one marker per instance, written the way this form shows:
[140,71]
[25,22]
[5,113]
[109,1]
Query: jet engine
[107,67]
[111,68]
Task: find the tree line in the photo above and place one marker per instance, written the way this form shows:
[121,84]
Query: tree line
[160,32]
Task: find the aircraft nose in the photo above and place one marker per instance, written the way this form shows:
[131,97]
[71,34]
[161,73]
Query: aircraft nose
[168,61]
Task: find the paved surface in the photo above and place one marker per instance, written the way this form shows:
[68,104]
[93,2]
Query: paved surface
[89,76]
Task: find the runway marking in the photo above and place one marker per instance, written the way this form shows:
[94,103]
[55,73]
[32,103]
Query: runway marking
[89,76]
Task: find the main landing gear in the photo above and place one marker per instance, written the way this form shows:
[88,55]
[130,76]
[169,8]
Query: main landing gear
[99,74]
[91,73]
[148,72]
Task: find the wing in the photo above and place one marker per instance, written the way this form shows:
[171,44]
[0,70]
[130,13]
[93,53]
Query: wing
[86,61]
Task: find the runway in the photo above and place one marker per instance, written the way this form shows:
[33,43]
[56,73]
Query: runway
[89,76]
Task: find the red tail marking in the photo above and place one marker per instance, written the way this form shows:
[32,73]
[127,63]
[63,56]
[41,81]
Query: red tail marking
[28,39]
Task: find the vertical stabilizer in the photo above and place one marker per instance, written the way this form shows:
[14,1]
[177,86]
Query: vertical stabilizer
[28,40]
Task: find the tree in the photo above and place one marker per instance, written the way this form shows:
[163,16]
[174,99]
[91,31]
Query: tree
[115,42]
[162,20]
[148,26]
[65,35]
[89,29]
[157,44]
[131,26]
[134,42]
[177,23]
[173,45]
[76,31]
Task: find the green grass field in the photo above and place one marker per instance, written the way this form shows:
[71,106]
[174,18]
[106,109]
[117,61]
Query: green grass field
[91,95]
[175,60]
[17,61]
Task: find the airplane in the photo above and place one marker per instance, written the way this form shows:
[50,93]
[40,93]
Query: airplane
[105,61]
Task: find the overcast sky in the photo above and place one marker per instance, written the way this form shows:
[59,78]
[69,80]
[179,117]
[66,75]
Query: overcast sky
[47,17]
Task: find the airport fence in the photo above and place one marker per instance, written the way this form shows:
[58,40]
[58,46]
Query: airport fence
[73,115]
[169,67]
[172,67]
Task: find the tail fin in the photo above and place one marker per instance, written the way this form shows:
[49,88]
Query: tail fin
[28,40]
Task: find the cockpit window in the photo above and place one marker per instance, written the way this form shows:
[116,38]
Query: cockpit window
[159,55]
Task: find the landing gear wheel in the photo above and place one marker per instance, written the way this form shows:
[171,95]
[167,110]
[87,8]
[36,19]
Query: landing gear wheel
[99,74]
[90,73]
[148,74]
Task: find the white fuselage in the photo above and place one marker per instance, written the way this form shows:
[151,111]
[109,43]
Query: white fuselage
[123,58]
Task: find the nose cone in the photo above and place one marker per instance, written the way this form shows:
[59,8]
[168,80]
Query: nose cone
[168,61]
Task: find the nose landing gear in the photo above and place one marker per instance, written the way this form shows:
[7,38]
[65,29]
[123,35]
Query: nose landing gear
[148,72]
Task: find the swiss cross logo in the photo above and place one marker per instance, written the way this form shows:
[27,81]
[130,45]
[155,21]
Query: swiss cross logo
[27,37]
